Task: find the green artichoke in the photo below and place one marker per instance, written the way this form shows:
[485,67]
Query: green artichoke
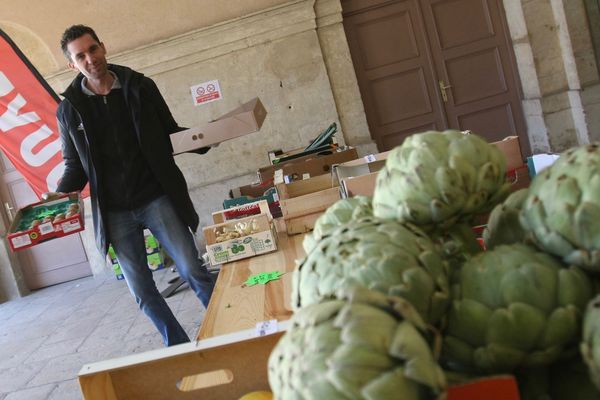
[590,345]
[504,226]
[515,307]
[337,214]
[562,211]
[457,243]
[436,178]
[363,345]
[381,255]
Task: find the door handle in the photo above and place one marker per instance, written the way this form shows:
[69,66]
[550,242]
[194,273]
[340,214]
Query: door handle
[9,211]
[443,88]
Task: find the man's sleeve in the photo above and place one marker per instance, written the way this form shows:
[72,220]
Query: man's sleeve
[74,177]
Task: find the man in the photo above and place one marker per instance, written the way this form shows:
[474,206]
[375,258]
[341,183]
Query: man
[115,126]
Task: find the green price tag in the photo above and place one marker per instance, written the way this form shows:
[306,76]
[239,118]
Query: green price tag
[263,278]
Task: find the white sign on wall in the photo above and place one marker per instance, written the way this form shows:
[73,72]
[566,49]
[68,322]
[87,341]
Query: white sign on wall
[206,92]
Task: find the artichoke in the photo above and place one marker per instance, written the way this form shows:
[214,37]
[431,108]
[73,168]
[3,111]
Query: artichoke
[436,178]
[515,307]
[337,214]
[590,345]
[562,211]
[363,345]
[381,255]
[504,225]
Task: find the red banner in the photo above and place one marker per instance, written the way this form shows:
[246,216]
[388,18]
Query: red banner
[28,128]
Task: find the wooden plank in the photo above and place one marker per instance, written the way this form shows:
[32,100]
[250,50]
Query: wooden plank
[98,386]
[302,224]
[234,306]
[306,186]
[236,362]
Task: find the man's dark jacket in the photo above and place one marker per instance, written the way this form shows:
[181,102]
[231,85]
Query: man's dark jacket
[153,124]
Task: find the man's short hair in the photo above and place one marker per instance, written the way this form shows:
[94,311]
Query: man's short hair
[75,32]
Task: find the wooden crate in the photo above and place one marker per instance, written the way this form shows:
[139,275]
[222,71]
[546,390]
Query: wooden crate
[222,367]
[302,202]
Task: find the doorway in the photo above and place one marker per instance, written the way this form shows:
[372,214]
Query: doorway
[434,65]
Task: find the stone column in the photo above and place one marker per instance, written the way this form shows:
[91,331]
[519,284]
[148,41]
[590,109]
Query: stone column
[555,64]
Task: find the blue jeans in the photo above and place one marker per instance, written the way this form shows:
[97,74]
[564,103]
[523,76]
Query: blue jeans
[125,231]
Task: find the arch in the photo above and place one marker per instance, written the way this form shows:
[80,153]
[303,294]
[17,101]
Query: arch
[36,50]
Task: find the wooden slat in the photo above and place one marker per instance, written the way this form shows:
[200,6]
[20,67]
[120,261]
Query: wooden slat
[234,306]
[302,224]
[307,186]
[309,203]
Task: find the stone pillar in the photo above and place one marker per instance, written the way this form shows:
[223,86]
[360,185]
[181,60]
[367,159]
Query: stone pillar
[342,76]
[558,77]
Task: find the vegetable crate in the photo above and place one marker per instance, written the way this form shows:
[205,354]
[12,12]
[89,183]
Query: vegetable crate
[240,238]
[46,220]
[302,202]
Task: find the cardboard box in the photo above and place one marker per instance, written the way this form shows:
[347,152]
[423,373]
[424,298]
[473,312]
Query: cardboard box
[302,202]
[512,151]
[358,177]
[247,118]
[264,240]
[313,165]
[22,235]
[255,192]
[242,211]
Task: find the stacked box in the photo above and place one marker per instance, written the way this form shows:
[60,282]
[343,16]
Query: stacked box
[154,253]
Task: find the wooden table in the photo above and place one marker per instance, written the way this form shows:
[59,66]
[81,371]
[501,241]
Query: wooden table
[235,306]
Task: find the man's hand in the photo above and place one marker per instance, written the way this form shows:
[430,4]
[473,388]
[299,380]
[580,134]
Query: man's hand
[51,195]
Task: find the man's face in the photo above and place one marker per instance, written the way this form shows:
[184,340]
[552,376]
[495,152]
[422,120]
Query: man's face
[88,57]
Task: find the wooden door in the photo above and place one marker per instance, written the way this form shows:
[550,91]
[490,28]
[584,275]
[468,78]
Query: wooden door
[473,81]
[56,261]
[395,71]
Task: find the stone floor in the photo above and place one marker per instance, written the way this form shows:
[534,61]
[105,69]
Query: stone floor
[47,336]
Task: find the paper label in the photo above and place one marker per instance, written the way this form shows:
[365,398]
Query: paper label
[206,92]
[71,226]
[266,327]
[370,158]
[46,228]
[20,241]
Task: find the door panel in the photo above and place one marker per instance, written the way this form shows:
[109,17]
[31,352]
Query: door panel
[473,59]
[56,261]
[394,68]
[473,16]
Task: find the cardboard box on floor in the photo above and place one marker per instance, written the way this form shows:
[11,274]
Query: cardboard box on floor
[247,118]
[516,168]
[358,177]
[313,164]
